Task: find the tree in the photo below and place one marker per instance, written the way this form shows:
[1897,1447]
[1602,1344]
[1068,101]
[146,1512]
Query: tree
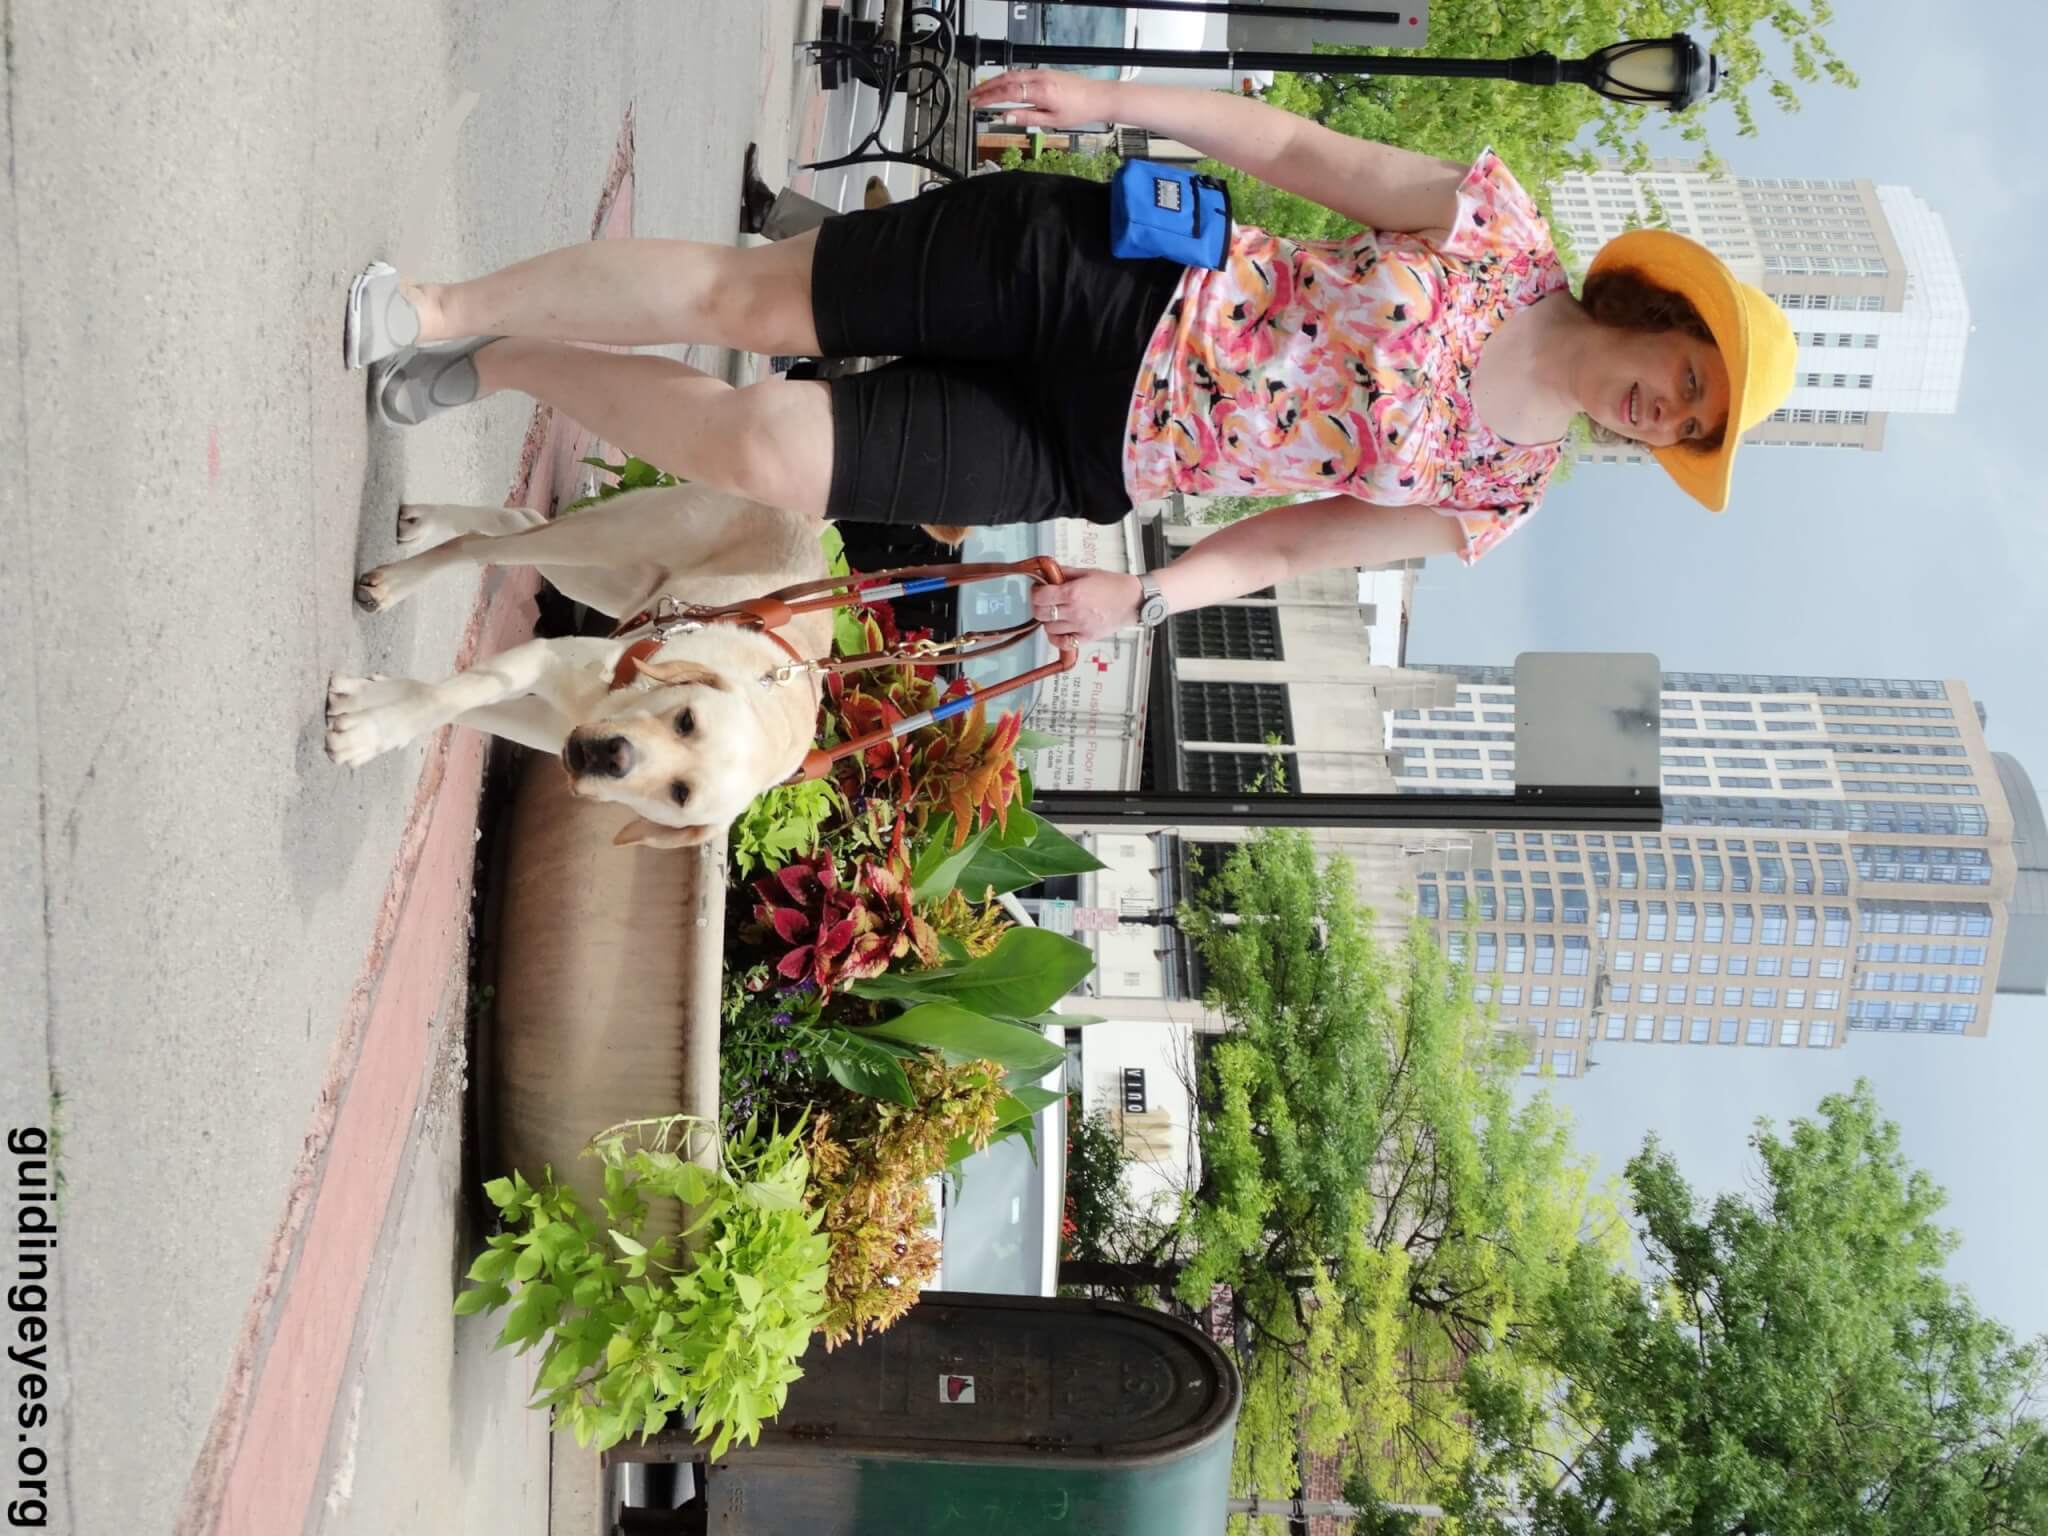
[1794,1364]
[1384,1212]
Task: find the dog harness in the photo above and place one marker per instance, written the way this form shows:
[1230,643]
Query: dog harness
[767,616]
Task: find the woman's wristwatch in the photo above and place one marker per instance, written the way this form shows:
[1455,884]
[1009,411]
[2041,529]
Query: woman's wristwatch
[1151,601]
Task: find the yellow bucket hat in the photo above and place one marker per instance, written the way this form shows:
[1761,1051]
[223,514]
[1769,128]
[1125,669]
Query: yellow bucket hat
[1753,335]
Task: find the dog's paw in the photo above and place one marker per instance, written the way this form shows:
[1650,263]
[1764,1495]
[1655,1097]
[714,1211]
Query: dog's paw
[386,587]
[368,716]
[417,526]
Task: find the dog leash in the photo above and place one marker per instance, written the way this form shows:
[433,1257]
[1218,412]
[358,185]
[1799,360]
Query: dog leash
[767,615]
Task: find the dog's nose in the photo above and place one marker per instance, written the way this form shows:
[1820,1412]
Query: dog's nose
[608,758]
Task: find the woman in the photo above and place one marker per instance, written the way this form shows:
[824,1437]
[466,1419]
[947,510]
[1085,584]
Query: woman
[1417,379]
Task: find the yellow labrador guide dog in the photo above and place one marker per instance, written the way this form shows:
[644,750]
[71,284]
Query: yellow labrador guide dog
[680,727]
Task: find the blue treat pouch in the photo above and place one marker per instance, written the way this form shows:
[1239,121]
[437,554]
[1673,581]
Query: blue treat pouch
[1166,212]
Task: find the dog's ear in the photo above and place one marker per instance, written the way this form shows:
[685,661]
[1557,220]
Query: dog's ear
[670,672]
[946,533]
[652,834]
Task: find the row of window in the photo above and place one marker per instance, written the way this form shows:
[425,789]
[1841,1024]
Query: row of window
[1703,995]
[1934,1018]
[1918,981]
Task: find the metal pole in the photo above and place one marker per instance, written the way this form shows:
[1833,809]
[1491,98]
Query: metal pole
[1587,811]
[1531,69]
[1240,8]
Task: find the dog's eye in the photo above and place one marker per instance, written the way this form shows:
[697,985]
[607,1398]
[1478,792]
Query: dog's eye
[685,723]
[679,792]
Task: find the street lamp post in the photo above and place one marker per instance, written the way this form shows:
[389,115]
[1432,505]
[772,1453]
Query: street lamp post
[914,51]
[1673,72]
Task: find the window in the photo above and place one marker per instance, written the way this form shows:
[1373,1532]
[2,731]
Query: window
[1819,1034]
[1774,925]
[1726,1030]
[1646,1026]
[1546,954]
[1566,1029]
[1619,992]
[1228,632]
[1577,951]
[1233,773]
[1758,1033]
[1518,954]
[1697,1031]
[1244,712]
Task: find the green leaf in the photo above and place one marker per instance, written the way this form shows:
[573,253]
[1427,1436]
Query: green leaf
[470,1301]
[1034,1099]
[1029,740]
[938,868]
[1027,972]
[501,1194]
[995,871]
[1052,852]
[528,1265]
[1061,1020]
[865,1067]
[749,1289]
[968,1036]
[628,1245]
[834,546]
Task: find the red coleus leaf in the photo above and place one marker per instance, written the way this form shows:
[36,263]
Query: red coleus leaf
[790,925]
[835,938]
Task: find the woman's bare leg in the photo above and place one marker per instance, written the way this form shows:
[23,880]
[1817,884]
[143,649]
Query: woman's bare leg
[631,293]
[771,441]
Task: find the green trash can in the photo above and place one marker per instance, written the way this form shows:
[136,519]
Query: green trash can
[990,1416]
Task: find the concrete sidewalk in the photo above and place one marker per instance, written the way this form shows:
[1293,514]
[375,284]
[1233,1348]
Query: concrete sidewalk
[233,975]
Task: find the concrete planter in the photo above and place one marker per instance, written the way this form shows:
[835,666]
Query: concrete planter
[608,976]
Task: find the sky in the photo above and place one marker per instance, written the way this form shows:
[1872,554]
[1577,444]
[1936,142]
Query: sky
[1912,562]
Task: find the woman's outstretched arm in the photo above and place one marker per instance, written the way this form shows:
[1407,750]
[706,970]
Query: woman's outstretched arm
[1376,184]
[1260,551]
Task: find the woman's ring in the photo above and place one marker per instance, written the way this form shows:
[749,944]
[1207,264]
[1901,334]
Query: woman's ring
[1055,613]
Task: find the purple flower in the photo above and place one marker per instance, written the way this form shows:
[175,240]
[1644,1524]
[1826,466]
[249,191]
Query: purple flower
[789,1054]
[780,1020]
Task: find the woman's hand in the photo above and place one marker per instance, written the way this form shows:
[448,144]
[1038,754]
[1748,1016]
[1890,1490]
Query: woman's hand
[1088,605]
[1057,98]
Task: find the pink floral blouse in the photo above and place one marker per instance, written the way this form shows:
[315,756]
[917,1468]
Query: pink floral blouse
[1345,367]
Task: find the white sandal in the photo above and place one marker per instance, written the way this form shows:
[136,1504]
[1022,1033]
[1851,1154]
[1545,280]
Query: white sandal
[425,381]
[380,321]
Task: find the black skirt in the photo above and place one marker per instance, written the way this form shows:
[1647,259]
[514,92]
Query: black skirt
[1019,338]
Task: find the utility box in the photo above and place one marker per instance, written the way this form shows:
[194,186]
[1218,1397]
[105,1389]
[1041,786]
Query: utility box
[990,1416]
